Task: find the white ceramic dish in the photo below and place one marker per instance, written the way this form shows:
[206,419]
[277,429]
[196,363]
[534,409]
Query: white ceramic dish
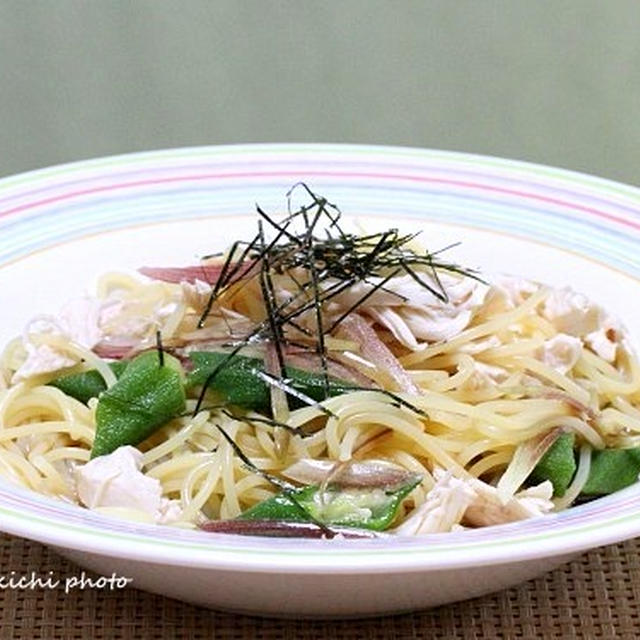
[60,227]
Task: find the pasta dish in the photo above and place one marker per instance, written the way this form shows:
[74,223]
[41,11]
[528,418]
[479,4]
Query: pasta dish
[310,381]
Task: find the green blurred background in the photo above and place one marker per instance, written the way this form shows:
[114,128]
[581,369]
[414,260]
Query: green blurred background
[549,81]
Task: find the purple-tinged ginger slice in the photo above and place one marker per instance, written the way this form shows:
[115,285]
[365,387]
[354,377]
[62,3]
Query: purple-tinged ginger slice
[281,529]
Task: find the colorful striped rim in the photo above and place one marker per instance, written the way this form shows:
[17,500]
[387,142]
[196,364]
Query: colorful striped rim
[595,218]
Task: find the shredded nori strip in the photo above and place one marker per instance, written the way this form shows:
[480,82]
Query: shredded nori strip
[159,348]
[332,261]
[286,487]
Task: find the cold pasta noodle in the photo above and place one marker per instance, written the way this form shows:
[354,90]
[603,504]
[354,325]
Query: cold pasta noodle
[368,385]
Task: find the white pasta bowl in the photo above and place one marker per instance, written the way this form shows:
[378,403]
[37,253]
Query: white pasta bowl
[61,227]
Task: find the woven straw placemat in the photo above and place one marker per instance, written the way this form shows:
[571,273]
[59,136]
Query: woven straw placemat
[596,596]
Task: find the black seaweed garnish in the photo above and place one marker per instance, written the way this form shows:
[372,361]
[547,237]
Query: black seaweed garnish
[159,348]
[323,261]
[282,384]
[285,487]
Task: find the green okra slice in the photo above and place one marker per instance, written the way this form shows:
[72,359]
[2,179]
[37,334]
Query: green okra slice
[149,393]
[557,465]
[88,384]
[371,508]
[238,382]
[612,470]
